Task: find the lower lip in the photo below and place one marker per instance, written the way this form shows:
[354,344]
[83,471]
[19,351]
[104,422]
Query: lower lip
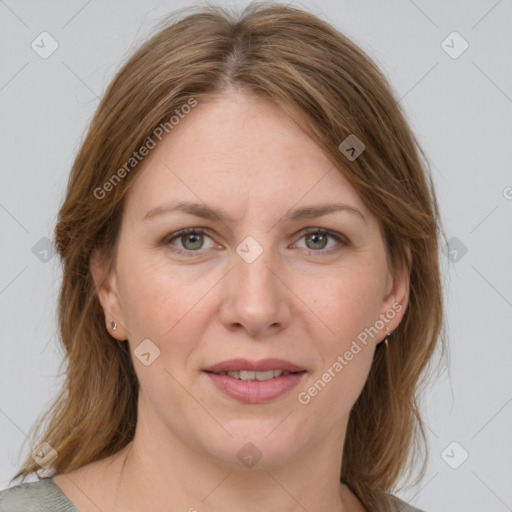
[255,391]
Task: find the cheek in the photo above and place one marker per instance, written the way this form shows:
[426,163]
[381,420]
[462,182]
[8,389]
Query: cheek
[160,303]
[343,304]
[345,309]
[344,350]
[157,298]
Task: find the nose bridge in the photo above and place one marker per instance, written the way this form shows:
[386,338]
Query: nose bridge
[254,277]
[256,298]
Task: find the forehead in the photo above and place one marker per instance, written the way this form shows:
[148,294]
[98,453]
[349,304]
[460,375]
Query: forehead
[238,152]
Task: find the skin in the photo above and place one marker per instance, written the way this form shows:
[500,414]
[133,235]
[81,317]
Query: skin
[294,302]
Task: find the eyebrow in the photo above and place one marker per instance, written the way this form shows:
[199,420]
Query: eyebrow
[205,212]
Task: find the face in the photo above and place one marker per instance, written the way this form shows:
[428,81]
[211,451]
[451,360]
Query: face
[275,274]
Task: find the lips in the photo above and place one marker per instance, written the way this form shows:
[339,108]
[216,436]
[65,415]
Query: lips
[255,382]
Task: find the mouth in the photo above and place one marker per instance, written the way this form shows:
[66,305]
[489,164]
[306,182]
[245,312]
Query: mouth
[249,376]
[255,382]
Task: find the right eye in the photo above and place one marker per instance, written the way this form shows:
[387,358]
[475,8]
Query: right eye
[191,240]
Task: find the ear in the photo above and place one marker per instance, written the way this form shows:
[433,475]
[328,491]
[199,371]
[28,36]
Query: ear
[106,288]
[396,297]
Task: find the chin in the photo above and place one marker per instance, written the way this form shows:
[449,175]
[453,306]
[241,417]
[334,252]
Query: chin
[263,444]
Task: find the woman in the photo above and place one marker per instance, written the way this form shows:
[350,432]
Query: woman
[251,289]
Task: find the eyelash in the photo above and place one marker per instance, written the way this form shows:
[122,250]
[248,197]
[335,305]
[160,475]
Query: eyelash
[199,231]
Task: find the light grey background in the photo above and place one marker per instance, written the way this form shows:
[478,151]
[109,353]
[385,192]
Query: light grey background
[461,110]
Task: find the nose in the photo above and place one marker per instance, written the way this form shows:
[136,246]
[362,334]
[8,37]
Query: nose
[255,298]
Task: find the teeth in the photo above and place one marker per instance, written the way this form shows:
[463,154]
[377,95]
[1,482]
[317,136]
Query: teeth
[260,376]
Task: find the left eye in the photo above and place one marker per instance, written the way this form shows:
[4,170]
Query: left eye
[318,239]
[192,240]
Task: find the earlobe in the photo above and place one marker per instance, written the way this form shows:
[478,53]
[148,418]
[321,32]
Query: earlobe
[106,289]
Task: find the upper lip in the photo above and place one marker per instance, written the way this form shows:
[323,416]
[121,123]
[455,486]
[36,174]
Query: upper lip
[236,365]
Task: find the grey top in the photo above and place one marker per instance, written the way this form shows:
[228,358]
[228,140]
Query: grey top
[40,496]
[45,496]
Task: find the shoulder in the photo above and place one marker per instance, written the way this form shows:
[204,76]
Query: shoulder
[40,496]
[397,505]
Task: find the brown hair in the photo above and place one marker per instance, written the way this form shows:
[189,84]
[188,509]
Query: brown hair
[332,89]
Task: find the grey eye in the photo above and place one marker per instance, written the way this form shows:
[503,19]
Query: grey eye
[195,241]
[318,240]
